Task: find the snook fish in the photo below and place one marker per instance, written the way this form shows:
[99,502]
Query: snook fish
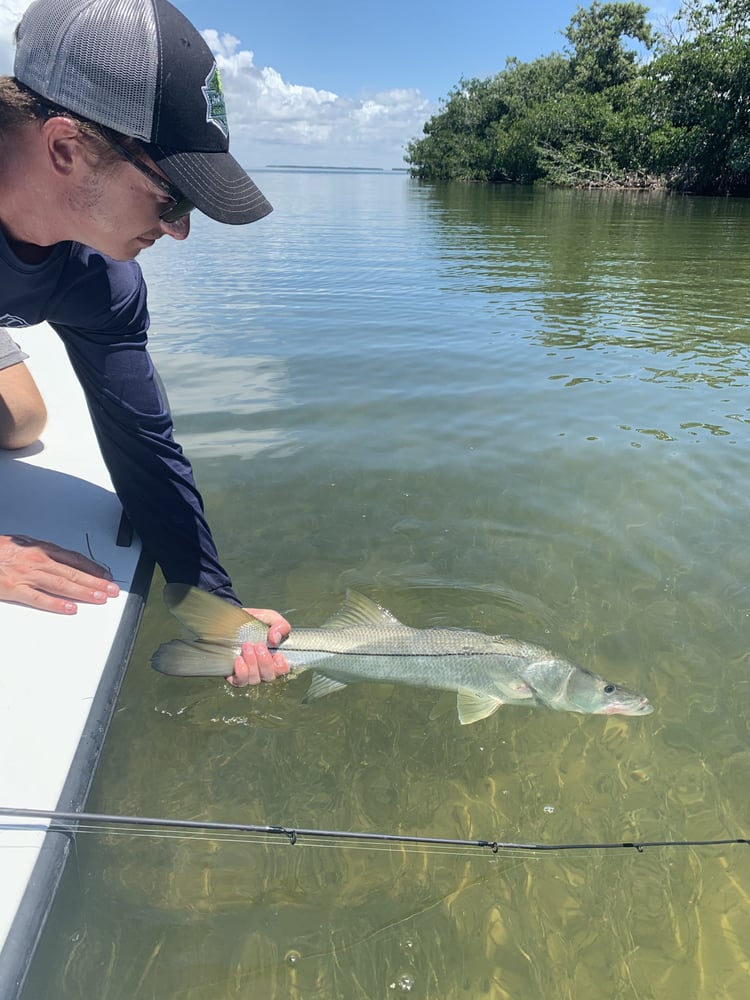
[364,642]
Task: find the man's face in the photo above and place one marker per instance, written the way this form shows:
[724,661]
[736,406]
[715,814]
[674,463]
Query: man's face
[117,209]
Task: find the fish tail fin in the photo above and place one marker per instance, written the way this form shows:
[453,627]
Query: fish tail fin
[193,659]
[208,617]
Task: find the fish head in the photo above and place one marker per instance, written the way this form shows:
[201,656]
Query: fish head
[591,694]
[566,687]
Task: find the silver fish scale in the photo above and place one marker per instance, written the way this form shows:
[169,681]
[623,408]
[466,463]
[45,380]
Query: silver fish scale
[399,654]
[364,642]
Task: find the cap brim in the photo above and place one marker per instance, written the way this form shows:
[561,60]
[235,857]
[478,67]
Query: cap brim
[215,183]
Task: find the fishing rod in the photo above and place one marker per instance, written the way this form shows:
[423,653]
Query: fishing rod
[65,822]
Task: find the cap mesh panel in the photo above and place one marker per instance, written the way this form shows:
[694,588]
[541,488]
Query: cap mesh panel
[98,58]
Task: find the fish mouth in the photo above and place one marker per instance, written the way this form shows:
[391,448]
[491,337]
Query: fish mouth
[641,707]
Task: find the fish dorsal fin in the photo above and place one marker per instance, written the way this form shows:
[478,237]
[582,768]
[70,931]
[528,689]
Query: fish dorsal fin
[321,686]
[360,610]
[208,617]
[472,707]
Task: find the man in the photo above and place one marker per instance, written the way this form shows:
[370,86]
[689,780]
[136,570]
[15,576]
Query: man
[111,131]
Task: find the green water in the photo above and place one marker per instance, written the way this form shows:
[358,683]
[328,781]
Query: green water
[525,413]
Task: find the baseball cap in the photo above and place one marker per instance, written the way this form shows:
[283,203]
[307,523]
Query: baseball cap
[139,67]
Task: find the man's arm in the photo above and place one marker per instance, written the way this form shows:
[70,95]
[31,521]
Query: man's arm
[151,475]
[107,346]
[23,414]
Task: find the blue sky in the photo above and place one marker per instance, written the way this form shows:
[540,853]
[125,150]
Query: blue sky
[355,48]
[342,83]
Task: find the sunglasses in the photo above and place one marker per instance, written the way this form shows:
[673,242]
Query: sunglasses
[182,206]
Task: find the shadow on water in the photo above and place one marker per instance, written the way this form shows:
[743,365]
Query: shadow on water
[519,412]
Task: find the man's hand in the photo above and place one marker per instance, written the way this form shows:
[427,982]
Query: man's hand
[45,576]
[257,663]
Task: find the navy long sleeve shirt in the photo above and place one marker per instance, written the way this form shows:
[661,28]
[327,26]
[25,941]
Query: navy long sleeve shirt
[98,307]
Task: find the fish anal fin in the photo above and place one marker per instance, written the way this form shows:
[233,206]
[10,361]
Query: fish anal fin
[472,707]
[444,704]
[321,686]
[360,610]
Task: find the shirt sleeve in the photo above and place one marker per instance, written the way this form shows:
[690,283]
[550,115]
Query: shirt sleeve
[10,353]
[151,475]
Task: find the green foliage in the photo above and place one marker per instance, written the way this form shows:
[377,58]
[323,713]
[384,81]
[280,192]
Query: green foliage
[600,60]
[596,115]
[485,130]
[702,98]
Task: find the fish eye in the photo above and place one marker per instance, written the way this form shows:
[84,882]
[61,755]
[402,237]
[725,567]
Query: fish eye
[609,689]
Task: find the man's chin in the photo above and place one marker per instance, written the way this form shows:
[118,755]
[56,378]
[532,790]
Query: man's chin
[125,254]
[129,250]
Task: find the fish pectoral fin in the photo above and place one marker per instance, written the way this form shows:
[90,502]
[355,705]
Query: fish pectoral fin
[360,610]
[472,707]
[191,659]
[321,686]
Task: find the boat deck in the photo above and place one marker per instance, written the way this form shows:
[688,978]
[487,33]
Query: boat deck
[59,675]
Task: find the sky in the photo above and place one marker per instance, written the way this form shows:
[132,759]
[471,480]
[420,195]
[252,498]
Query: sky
[347,84]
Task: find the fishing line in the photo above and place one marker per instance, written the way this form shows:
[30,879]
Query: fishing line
[68,822]
[265,840]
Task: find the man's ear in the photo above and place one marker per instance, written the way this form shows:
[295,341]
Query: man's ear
[63,144]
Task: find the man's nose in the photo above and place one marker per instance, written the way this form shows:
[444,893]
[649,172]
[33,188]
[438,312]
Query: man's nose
[179,229]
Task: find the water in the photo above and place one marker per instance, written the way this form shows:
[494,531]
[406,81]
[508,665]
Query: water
[521,413]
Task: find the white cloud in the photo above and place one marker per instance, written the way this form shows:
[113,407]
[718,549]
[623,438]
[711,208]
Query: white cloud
[10,15]
[273,121]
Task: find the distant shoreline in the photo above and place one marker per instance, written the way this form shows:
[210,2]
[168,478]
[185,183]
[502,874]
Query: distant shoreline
[301,166]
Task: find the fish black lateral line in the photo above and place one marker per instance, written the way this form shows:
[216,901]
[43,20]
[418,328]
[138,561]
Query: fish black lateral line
[363,642]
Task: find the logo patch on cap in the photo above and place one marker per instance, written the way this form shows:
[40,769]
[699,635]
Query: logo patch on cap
[216,109]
